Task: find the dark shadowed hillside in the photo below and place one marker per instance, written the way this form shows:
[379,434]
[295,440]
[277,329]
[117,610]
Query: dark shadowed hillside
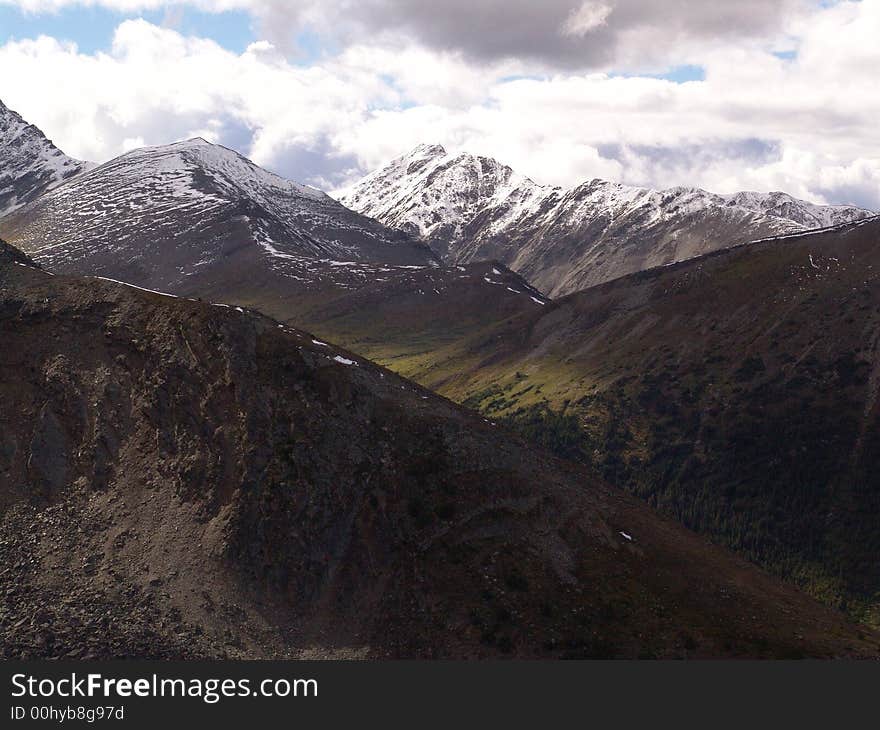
[736,392]
[179,479]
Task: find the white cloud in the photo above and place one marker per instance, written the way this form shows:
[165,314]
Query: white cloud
[158,85]
[573,34]
[589,16]
[757,121]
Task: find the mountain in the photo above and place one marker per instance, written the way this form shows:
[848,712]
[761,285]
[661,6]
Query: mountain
[205,482]
[171,217]
[736,392]
[473,208]
[198,220]
[29,163]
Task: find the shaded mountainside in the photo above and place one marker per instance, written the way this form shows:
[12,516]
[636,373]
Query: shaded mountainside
[368,305]
[29,163]
[737,392]
[180,479]
[169,217]
[472,208]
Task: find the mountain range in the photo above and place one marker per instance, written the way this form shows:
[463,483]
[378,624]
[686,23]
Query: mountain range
[199,220]
[163,216]
[340,509]
[472,208]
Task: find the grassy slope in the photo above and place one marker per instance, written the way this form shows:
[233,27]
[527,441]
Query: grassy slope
[736,392]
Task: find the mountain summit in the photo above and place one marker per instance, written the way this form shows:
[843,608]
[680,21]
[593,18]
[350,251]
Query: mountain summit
[474,208]
[437,196]
[164,216]
[29,163]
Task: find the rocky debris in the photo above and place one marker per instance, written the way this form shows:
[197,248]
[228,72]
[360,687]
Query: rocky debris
[68,617]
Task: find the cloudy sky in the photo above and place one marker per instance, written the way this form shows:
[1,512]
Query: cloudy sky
[755,94]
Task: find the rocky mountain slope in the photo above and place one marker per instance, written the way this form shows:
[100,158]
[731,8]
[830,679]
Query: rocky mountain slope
[737,392]
[180,479]
[29,163]
[474,208]
[160,217]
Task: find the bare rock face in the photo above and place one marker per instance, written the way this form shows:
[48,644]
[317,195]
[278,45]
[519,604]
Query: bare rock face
[48,459]
[472,208]
[180,479]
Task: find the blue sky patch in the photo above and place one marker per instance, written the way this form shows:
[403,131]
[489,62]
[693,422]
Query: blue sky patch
[677,74]
[92,28]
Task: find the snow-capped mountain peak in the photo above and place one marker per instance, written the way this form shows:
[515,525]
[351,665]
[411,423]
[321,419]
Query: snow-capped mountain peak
[472,208]
[427,151]
[227,171]
[434,194]
[29,163]
[782,205]
[159,215]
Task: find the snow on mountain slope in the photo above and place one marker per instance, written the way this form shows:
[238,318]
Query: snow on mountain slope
[29,163]
[806,215]
[159,215]
[474,208]
[434,195]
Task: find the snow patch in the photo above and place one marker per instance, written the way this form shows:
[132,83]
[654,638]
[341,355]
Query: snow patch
[139,288]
